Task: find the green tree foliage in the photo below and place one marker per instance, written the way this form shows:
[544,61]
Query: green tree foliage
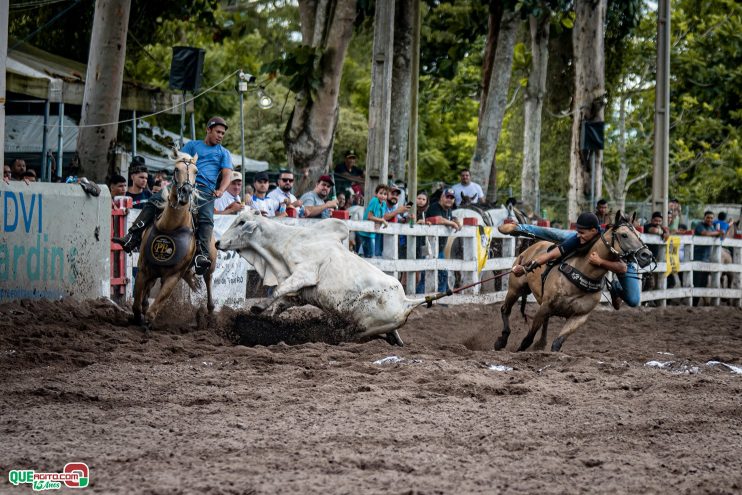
[706,161]
[706,90]
[705,117]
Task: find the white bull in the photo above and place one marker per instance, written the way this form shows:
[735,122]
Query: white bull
[310,265]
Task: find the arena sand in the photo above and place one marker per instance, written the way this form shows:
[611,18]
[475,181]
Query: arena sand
[188,411]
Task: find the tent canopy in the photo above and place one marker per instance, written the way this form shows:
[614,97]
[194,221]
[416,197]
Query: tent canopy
[34,72]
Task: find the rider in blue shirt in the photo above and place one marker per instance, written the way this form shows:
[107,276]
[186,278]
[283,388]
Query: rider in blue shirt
[625,287]
[213,159]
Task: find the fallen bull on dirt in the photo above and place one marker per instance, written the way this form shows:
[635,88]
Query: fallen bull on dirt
[312,266]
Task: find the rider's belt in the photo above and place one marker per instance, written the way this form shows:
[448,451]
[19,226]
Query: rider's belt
[580,279]
[167,248]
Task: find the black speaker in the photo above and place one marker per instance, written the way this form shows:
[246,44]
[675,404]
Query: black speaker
[592,136]
[185,71]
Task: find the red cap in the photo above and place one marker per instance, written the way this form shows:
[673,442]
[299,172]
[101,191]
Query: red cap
[328,179]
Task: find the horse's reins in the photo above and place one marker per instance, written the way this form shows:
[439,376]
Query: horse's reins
[626,255]
[429,299]
[179,186]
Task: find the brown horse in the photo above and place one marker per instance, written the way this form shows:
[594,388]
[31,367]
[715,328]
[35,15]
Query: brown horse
[557,295]
[169,245]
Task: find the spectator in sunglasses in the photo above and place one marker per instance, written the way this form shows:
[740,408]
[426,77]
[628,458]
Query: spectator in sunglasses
[283,194]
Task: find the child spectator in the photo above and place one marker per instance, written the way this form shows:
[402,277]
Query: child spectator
[721,222]
[375,211]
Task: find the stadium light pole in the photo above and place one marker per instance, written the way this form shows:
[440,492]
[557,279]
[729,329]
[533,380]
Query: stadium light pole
[264,101]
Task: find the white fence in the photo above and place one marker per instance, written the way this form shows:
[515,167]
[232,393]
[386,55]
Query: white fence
[408,267]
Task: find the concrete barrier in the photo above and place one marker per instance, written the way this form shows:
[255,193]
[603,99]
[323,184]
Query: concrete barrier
[55,242]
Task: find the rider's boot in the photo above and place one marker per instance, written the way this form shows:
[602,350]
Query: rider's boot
[616,290]
[508,228]
[133,238]
[202,261]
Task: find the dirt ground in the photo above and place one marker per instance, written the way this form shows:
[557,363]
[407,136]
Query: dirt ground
[188,411]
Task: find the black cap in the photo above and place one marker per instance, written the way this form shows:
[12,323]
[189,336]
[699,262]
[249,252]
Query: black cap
[261,176]
[588,220]
[217,121]
[351,152]
[137,161]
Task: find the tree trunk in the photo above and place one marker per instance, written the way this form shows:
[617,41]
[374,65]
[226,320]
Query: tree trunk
[103,81]
[589,100]
[401,79]
[310,130]
[534,101]
[618,189]
[482,163]
[490,48]
[379,106]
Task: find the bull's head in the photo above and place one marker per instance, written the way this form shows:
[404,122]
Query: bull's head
[237,235]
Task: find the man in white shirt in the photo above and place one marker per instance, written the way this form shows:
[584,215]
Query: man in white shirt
[268,207]
[467,188]
[282,193]
[230,203]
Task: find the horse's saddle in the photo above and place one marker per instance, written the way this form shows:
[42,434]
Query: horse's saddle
[167,248]
[581,280]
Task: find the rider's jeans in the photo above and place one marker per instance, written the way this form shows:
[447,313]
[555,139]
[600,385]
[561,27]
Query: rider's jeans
[628,286]
[205,205]
[547,233]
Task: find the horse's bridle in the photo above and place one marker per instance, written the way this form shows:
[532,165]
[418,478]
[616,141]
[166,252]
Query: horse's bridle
[185,186]
[625,255]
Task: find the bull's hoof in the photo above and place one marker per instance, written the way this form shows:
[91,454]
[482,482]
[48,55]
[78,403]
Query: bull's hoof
[394,339]
[556,346]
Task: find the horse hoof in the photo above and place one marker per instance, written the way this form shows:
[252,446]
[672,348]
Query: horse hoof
[256,310]
[500,345]
[147,328]
[134,320]
[556,346]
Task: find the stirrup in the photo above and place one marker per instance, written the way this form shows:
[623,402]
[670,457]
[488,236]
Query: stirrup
[201,264]
[129,243]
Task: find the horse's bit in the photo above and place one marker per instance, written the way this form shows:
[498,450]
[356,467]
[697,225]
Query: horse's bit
[180,186]
[625,255]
